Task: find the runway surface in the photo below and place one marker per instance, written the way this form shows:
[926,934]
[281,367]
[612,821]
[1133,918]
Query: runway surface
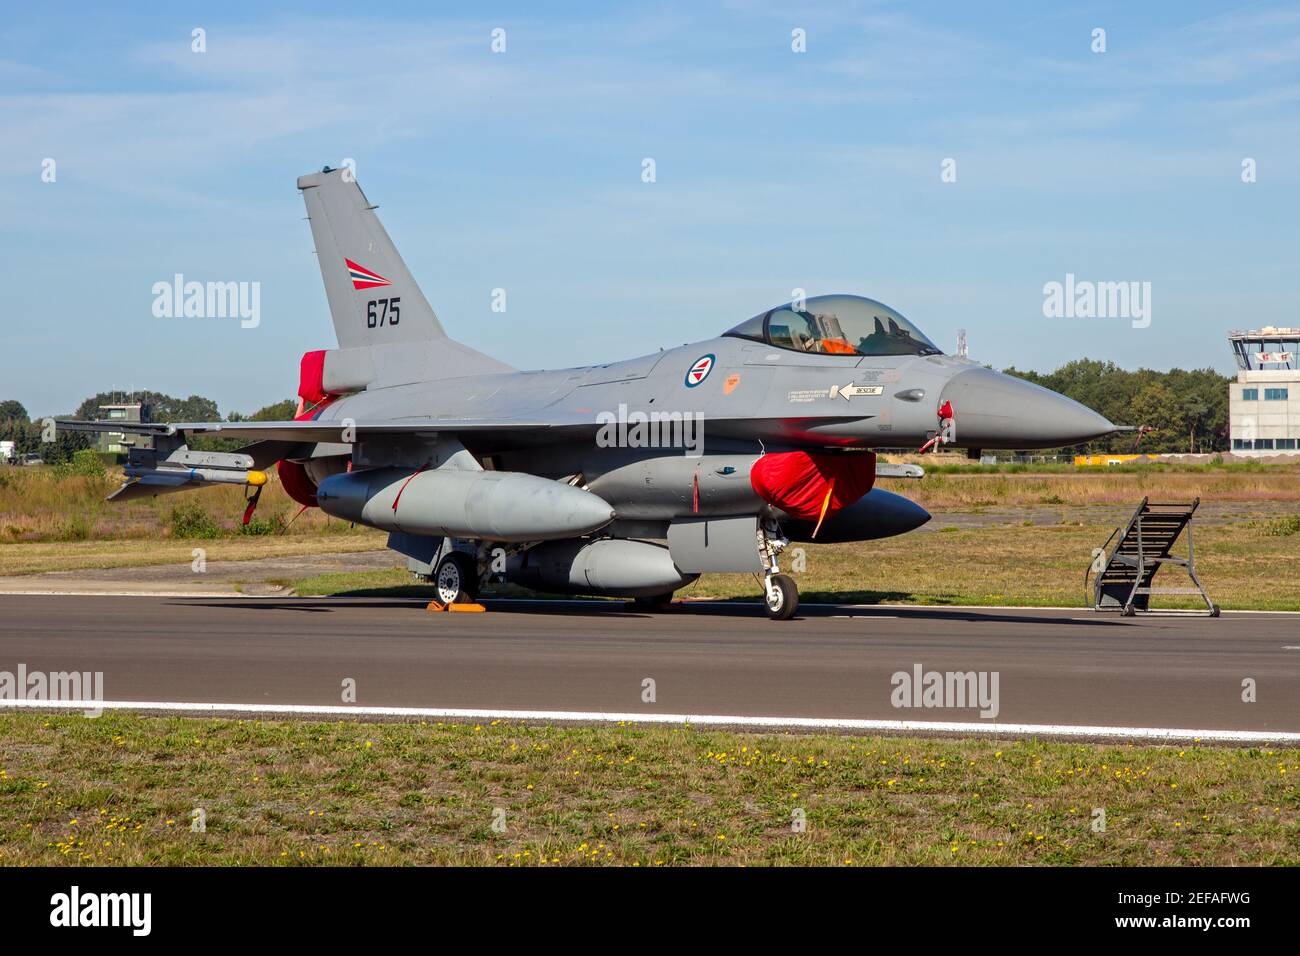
[1055,667]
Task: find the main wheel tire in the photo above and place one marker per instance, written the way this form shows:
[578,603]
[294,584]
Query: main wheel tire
[456,579]
[781,597]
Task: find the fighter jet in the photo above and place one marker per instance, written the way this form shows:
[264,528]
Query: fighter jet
[627,479]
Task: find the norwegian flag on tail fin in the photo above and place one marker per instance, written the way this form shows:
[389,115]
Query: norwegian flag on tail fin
[363,278]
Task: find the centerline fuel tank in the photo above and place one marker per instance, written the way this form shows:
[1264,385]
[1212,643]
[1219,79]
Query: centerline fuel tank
[618,567]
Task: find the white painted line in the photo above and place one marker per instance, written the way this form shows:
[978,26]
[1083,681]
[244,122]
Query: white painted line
[812,723]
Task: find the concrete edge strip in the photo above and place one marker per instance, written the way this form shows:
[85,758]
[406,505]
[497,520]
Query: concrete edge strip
[704,720]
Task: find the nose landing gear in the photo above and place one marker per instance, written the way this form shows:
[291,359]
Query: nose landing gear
[780,593]
[782,597]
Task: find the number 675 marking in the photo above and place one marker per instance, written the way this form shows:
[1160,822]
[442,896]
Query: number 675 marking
[382,311]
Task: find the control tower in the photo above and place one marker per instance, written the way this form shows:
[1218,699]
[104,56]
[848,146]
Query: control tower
[1264,401]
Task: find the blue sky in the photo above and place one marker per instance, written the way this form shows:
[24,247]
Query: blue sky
[522,170]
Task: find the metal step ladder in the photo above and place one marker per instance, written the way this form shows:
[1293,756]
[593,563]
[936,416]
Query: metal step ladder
[1124,573]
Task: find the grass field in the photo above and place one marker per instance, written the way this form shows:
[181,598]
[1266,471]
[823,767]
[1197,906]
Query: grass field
[122,789]
[965,488]
[41,505]
[37,504]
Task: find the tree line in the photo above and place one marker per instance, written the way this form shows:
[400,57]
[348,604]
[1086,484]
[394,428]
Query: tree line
[17,426]
[1186,411]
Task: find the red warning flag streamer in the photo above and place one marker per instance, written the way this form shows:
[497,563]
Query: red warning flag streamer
[404,484]
[252,505]
[826,503]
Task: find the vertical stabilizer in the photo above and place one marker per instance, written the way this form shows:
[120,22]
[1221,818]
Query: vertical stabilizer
[373,298]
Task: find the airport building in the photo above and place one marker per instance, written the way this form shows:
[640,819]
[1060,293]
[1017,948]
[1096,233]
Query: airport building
[118,442]
[1264,401]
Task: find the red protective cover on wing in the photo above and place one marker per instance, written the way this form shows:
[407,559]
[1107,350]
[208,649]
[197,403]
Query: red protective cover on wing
[311,378]
[797,481]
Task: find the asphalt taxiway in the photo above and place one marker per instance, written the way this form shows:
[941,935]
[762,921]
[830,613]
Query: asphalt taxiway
[832,666]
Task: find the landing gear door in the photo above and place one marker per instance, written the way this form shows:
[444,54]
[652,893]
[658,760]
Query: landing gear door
[715,544]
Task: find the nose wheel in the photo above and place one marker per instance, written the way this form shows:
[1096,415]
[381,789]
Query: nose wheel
[782,597]
[780,593]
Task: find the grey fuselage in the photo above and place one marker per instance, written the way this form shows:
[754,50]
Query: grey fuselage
[755,397]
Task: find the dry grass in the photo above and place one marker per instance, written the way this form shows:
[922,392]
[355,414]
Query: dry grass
[121,789]
[38,505]
[947,492]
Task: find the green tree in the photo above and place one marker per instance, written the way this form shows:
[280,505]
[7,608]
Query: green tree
[1198,414]
[1195,412]
[279,412]
[1157,407]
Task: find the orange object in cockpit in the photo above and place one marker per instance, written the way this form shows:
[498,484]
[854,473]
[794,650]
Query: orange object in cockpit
[838,347]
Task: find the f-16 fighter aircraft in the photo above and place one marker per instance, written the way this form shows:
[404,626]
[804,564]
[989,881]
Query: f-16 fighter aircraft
[625,479]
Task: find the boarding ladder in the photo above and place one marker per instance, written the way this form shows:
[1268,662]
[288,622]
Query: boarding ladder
[1125,572]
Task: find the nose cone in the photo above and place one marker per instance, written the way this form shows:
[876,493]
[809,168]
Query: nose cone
[992,410]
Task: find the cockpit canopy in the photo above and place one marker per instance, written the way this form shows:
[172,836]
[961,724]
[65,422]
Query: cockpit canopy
[837,325]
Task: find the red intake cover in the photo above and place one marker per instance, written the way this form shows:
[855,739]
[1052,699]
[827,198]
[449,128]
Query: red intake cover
[297,484]
[797,481]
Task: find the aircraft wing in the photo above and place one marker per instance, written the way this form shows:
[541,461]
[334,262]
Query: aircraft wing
[478,432]
[307,431]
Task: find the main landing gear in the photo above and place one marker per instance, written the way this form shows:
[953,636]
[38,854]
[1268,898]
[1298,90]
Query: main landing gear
[456,579]
[780,593]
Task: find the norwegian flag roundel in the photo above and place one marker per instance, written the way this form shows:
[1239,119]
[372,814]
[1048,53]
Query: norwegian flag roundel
[698,372]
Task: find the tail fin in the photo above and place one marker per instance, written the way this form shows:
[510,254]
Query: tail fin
[372,296]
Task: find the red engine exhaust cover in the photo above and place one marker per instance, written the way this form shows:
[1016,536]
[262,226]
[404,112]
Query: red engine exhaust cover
[311,390]
[311,375]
